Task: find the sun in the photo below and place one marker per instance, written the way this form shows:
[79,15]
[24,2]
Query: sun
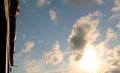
[89,61]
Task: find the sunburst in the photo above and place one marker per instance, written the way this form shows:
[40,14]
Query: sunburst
[89,62]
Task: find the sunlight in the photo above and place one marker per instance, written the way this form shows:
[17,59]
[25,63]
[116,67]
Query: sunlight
[89,61]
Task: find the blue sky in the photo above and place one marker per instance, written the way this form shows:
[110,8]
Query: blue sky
[63,36]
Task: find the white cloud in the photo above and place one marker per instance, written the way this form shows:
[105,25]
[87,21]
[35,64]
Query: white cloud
[42,3]
[118,25]
[111,61]
[115,16]
[34,66]
[55,56]
[99,1]
[110,34]
[29,45]
[53,15]
[116,8]
[109,57]
[83,3]
[116,52]
[101,48]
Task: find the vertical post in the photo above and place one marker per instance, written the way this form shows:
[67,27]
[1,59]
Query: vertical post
[4,36]
[3,33]
[6,6]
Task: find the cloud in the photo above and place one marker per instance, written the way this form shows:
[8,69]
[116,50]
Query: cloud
[81,33]
[110,34]
[118,25]
[34,66]
[29,45]
[55,56]
[24,1]
[115,16]
[76,56]
[42,3]
[24,35]
[53,15]
[83,3]
[112,61]
[116,8]
[77,2]
[109,57]
[99,1]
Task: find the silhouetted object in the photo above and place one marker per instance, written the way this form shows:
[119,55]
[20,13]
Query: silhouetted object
[3,37]
[8,11]
[13,11]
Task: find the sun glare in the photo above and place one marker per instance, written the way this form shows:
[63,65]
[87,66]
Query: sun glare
[89,61]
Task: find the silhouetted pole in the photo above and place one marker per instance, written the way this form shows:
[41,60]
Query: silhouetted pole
[4,36]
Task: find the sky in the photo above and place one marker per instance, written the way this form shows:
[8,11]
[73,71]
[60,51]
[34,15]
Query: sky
[68,36]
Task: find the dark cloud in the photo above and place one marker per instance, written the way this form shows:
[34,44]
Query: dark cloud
[78,41]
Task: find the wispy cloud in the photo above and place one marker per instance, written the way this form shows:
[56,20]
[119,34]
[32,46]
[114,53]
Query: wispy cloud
[24,35]
[116,8]
[24,1]
[118,25]
[76,2]
[55,56]
[116,13]
[83,4]
[53,15]
[110,34]
[34,66]
[29,45]
[42,3]
[99,1]
[115,16]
